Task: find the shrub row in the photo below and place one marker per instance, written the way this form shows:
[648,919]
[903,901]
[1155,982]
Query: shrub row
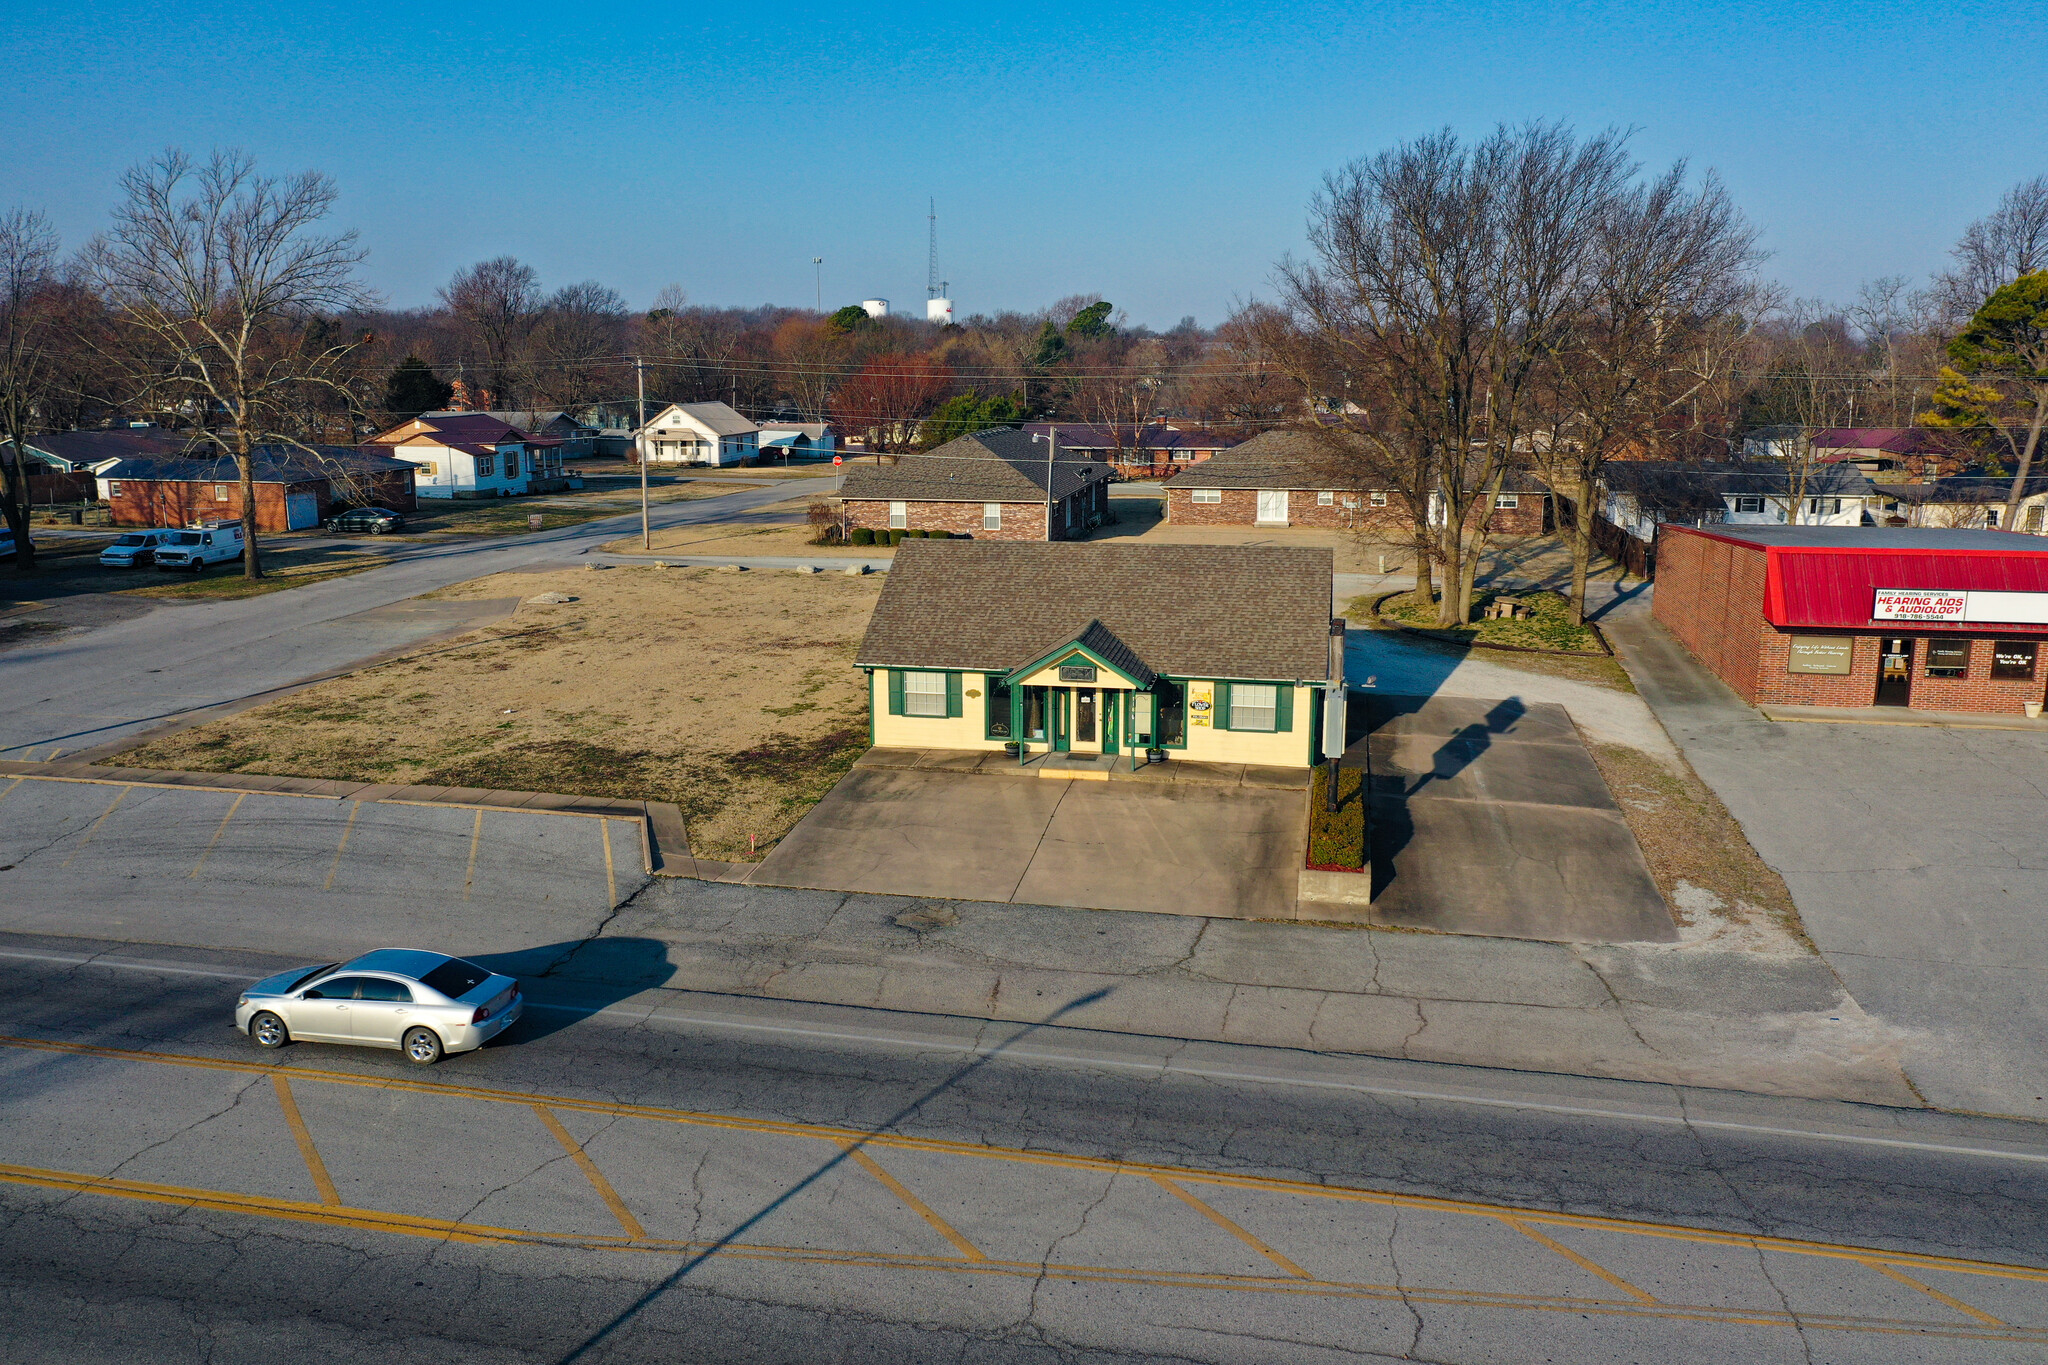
[863,536]
[1336,839]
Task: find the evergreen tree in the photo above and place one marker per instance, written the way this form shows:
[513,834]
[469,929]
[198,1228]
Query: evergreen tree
[413,389]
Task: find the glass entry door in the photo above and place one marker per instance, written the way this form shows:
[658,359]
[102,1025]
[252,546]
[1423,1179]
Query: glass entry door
[1895,671]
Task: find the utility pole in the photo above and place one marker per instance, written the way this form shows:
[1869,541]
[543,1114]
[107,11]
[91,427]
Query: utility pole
[640,444]
[818,264]
[1052,444]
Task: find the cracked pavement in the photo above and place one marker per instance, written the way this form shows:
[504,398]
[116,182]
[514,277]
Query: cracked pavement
[1039,1167]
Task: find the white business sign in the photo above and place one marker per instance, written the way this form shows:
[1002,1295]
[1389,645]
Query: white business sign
[1957,608]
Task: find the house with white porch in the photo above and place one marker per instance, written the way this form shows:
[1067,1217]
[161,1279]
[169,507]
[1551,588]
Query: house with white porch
[697,433]
[472,455]
[789,441]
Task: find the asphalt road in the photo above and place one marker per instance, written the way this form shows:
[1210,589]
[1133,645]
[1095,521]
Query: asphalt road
[798,1184]
[87,688]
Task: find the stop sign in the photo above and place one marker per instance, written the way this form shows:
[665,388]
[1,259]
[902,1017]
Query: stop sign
[836,459]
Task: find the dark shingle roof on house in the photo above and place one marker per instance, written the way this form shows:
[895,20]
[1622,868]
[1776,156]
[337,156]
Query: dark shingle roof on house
[1298,460]
[274,464]
[1199,611]
[1001,464]
[1102,436]
[90,447]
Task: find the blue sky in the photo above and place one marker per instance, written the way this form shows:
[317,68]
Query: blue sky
[1161,154]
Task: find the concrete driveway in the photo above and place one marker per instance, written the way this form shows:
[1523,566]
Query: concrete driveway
[1186,848]
[1489,817]
[1915,855]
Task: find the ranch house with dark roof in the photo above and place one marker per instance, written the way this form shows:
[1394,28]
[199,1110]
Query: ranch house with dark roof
[1208,653]
[991,485]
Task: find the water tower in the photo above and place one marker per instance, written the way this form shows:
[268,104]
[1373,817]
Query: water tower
[876,308]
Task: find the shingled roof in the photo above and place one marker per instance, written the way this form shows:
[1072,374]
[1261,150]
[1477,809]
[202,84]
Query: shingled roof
[1297,460]
[272,464]
[1001,464]
[1258,613]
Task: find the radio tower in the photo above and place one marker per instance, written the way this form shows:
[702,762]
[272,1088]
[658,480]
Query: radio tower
[937,307]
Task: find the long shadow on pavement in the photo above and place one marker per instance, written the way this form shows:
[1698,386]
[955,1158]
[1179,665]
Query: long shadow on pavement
[567,982]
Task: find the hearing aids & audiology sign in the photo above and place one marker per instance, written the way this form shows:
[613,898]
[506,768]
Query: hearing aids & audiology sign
[1939,606]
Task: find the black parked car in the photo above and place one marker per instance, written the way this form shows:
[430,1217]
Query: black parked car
[375,520]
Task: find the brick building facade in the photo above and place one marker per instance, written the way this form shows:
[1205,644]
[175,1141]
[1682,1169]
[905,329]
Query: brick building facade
[1788,615]
[991,485]
[1284,478]
[294,490]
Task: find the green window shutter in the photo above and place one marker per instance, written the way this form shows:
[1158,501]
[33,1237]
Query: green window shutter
[953,707]
[1283,707]
[895,691]
[1221,720]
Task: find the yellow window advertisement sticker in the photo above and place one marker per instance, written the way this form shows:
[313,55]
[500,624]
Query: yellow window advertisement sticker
[1201,704]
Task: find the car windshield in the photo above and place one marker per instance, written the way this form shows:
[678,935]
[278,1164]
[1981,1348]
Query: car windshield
[133,540]
[317,971]
[456,978]
[185,538]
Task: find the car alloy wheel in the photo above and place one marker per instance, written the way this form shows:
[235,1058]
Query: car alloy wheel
[268,1030]
[422,1046]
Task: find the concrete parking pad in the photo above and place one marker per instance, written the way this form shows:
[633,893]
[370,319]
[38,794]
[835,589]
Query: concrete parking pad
[1489,817]
[1180,848]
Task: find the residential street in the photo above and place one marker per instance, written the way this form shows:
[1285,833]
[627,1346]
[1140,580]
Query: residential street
[84,689]
[873,1187]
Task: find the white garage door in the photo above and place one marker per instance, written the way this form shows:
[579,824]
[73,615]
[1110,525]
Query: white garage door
[301,511]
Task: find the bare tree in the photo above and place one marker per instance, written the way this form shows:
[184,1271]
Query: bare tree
[1668,268]
[219,279]
[495,304]
[1443,277]
[28,258]
[577,347]
[1996,250]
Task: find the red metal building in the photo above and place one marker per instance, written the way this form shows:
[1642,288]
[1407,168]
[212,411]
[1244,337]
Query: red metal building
[1936,620]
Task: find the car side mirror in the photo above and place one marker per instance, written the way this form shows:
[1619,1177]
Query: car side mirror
[312,995]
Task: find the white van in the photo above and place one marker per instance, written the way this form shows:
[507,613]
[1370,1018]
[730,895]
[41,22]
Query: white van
[195,550]
[133,548]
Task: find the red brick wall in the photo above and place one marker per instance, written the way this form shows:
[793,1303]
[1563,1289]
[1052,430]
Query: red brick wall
[1240,507]
[152,502]
[1710,595]
[1021,520]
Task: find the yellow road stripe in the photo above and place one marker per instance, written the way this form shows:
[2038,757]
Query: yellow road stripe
[11,786]
[1580,1261]
[592,1174]
[118,799]
[232,808]
[355,808]
[1231,1227]
[475,834]
[407,1224]
[315,1167]
[916,1205]
[1931,1292]
[611,882]
[847,1136]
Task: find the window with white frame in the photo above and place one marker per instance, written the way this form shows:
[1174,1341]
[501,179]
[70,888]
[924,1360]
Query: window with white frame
[113,488]
[220,492]
[924,694]
[1823,507]
[1749,502]
[1326,499]
[1379,500]
[899,515]
[430,468]
[511,464]
[1253,706]
[486,466]
[991,516]
[1507,501]
[1206,495]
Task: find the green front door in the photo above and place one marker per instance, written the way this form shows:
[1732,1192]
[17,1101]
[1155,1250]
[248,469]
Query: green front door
[1062,719]
[1109,710]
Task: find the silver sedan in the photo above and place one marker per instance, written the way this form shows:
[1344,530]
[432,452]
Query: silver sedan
[424,1004]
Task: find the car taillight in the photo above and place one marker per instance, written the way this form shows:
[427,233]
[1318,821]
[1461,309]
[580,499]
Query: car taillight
[483,1012]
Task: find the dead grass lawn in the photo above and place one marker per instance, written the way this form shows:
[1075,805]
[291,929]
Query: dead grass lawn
[731,694]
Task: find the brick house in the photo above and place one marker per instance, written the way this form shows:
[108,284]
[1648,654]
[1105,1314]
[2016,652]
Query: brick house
[295,490]
[1937,620]
[1152,451]
[1284,478]
[991,485]
[1205,653]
